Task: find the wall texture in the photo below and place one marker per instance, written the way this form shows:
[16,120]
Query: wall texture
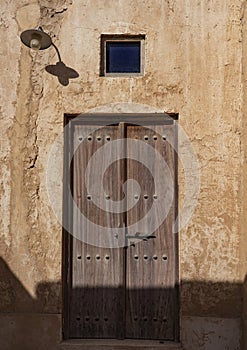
[196,66]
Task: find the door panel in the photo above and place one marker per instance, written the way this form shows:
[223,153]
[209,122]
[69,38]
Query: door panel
[150,262]
[96,297]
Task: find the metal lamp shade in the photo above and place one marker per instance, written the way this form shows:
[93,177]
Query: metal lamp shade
[44,38]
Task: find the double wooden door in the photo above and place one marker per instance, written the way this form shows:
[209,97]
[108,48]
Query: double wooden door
[121,249]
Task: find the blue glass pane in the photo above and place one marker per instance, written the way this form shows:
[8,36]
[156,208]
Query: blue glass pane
[123,57]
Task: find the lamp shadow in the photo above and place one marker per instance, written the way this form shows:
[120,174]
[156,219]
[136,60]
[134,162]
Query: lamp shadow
[61,71]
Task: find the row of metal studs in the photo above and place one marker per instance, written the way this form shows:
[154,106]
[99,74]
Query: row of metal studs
[136,257]
[154,319]
[108,138]
[87,318]
[155,257]
[107,197]
[97,257]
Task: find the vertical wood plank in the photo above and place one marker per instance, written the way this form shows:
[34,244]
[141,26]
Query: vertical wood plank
[121,331]
[66,237]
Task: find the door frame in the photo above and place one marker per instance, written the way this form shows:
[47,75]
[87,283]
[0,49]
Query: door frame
[107,119]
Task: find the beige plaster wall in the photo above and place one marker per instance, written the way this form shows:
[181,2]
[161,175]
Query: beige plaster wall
[195,65]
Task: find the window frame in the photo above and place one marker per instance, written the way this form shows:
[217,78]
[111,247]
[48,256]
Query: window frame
[106,38]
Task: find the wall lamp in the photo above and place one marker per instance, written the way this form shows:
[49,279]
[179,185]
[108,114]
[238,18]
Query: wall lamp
[36,39]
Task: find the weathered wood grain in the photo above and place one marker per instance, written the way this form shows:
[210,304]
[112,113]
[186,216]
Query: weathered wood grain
[150,269]
[128,292]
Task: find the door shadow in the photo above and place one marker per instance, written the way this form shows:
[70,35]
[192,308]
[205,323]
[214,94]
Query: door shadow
[90,311]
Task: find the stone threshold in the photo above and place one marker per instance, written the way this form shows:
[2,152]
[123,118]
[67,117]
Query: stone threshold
[112,344]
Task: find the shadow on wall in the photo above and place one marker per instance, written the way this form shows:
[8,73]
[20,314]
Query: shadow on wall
[15,298]
[26,322]
[61,71]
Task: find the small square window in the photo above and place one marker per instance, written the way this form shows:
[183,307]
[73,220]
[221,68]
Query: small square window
[122,55]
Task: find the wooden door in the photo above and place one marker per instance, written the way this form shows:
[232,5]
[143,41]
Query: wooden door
[128,291]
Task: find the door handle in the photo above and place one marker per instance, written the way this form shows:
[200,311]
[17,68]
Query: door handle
[137,236]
